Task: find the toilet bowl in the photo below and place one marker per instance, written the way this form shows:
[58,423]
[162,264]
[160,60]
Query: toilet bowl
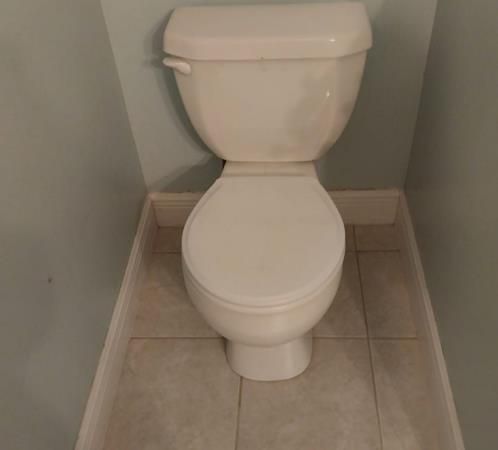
[269,88]
[262,259]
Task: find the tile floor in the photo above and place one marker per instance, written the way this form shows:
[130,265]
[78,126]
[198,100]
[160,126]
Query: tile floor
[364,389]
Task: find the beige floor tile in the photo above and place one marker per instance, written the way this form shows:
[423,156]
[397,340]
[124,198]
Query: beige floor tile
[345,317]
[386,296]
[168,240]
[376,237]
[330,406]
[175,394]
[405,412]
[165,309]
[165,270]
[350,244]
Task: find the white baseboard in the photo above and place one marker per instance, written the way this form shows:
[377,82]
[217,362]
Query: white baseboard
[444,407]
[100,401]
[172,209]
[365,207]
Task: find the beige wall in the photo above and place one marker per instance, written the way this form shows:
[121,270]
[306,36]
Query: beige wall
[70,194]
[374,149]
[452,188]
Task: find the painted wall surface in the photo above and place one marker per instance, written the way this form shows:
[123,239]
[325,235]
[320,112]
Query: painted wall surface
[373,151]
[70,194]
[452,188]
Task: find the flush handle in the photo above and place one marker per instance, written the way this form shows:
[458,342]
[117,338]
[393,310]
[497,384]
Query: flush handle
[178,64]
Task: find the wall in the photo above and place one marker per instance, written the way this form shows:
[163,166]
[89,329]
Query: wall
[452,186]
[70,195]
[372,153]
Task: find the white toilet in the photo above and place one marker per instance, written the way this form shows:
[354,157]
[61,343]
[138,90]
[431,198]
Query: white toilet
[269,88]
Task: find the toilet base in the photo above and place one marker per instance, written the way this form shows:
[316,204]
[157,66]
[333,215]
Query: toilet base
[279,362]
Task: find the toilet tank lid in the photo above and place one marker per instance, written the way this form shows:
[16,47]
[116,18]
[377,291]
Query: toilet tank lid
[285,31]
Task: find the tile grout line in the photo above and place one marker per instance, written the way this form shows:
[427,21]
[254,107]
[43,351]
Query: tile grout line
[194,338]
[394,338]
[237,421]
[369,344]
[372,338]
[338,338]
[341,338]
[387,250]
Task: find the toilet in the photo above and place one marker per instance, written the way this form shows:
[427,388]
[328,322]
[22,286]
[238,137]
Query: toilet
[269,89]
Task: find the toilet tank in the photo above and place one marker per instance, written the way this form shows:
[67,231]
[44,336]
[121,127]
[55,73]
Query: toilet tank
[269,82]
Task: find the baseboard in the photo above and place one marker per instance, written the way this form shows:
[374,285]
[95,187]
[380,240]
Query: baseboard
[443,404]
[367,207]
[100,401]
[172,209]
[364,207]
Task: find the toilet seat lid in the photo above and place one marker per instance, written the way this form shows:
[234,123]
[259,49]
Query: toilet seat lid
[263,241]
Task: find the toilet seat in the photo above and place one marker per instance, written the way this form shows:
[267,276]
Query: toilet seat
[263,241]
